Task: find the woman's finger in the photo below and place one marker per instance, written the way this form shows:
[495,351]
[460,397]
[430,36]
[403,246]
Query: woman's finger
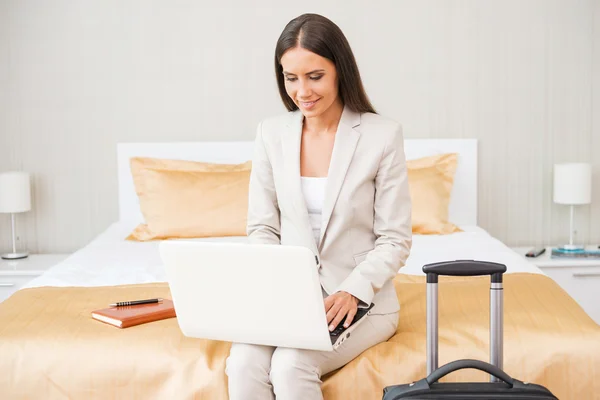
[350,316]
[338,318]
[333,311]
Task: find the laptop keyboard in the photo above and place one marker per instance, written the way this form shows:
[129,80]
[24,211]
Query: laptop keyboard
[338,330]
[361,312]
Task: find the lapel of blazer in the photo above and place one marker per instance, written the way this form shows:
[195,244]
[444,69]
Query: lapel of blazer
[291,143]
[346,139]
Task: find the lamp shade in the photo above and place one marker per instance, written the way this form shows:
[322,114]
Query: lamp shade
[15,192]
[573,183]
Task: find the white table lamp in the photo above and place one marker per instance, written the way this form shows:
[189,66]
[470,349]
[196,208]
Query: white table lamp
[572,186]
[15,197]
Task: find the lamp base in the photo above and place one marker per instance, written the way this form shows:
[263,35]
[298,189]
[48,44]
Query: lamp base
[571,247]
[15,256]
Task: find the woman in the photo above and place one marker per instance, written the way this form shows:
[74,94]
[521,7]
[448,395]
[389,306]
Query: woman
[329,175]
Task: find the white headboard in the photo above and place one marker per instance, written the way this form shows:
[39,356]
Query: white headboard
[463,204]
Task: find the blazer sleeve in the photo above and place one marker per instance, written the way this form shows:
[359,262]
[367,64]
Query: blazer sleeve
[392,225]
[263,221]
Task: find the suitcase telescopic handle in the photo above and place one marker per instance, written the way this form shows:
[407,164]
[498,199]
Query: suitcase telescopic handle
[466,268]
[464,364]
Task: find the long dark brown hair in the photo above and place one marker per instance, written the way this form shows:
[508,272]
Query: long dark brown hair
[321,36]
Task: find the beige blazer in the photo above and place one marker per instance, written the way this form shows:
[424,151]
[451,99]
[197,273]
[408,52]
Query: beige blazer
[366,232]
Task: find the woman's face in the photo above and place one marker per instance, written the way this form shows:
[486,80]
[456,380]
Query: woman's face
[310,81]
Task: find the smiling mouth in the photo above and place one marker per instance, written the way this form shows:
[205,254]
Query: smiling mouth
[308,104]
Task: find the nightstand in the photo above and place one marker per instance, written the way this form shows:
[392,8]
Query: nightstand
[579,278]
[14,274]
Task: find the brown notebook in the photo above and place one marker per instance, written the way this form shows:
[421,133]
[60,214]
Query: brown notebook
[124,317]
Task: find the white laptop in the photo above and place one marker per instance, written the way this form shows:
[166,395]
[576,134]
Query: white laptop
[258,294]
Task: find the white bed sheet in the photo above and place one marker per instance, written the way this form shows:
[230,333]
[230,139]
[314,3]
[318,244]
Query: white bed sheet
[109,259]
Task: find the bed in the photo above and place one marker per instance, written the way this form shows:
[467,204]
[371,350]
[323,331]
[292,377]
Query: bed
[51,348]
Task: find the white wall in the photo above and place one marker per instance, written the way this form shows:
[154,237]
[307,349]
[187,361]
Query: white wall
[76,77]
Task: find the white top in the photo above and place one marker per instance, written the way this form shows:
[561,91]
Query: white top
[313,189]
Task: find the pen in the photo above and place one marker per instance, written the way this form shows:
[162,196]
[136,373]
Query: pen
[135,302]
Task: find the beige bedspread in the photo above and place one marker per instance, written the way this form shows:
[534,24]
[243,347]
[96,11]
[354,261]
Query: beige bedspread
[50,348]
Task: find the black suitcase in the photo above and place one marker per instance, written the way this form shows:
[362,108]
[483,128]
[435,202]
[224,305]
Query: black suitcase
[501,385]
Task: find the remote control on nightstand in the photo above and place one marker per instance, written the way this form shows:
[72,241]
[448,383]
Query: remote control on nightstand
[535,252]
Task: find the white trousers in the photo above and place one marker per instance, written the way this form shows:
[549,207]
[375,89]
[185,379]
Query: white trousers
[265,372]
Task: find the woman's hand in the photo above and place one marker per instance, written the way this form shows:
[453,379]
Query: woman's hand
[338,306]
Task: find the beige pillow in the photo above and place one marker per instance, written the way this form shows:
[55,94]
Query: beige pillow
[430,180]
[189,199]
